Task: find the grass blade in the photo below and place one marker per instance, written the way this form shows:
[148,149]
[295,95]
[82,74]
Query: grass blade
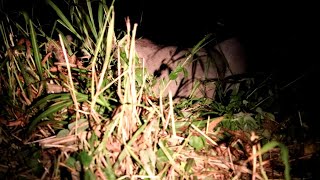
[35,47]
[65,22]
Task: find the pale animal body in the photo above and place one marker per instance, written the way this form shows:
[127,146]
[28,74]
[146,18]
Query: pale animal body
[206,66]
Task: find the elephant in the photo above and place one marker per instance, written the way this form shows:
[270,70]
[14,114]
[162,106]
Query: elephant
[201,70]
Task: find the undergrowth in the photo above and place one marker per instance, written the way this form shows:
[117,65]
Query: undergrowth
[81,106]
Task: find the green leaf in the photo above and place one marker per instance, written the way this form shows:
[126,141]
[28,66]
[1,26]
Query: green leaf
[284,155]
[174,74]
[185,72]
[42,103]
[110,173]
[85,158]
[161,156]
[89,175]
[52,109]
[57,97]
[93,139]
[200,44]
[139,75]
[196,142]
[64,20]
[71,162]
[91,21]
[35,47]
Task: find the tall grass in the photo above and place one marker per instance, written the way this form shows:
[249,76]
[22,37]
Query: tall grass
[87,105]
